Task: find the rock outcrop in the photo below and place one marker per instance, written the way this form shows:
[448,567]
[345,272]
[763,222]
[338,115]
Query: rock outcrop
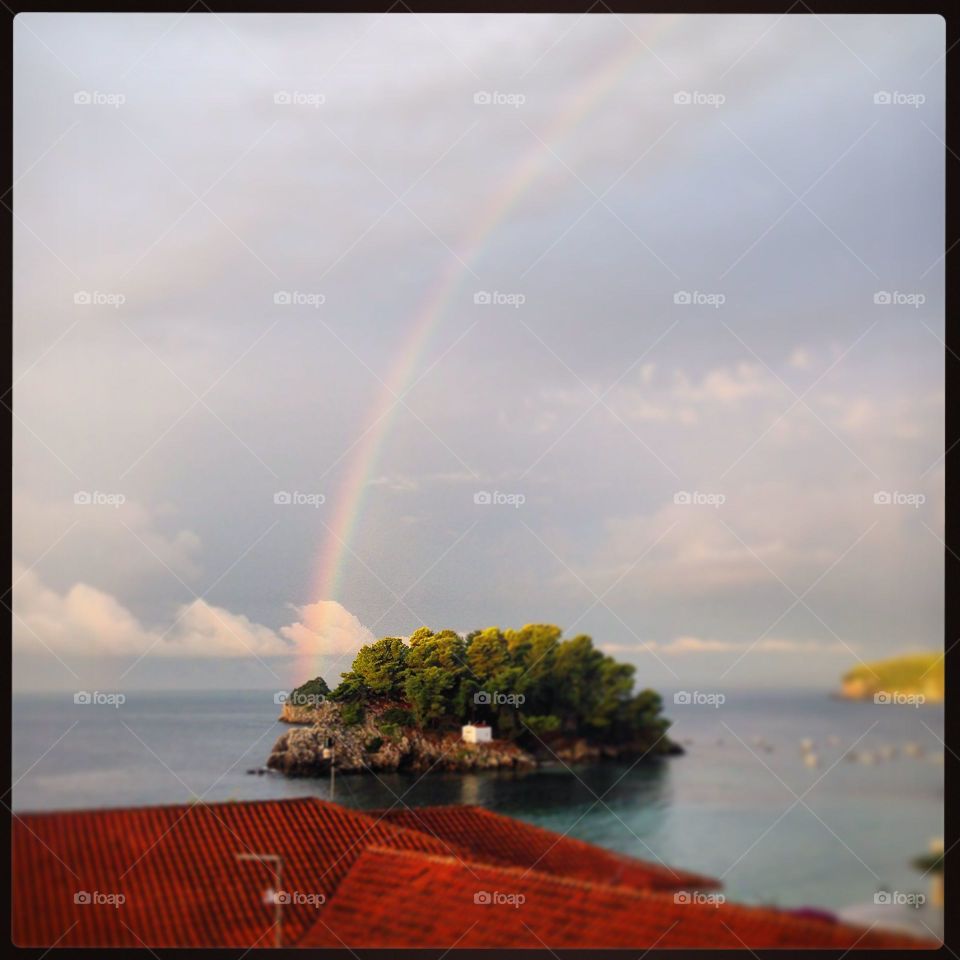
[373,745]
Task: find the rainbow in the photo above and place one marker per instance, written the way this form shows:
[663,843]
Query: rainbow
[365,453]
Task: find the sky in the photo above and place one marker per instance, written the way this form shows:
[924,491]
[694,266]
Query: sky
[330,326]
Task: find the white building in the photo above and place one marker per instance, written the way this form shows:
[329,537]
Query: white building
[477,733]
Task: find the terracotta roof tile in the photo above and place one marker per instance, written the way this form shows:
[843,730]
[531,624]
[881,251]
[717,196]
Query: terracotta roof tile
[431,903]
[176,867]
[493,838]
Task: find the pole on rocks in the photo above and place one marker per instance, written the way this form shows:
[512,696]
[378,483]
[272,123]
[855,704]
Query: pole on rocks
[329,754]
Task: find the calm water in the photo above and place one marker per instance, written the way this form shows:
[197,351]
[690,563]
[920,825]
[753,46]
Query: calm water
[720,809]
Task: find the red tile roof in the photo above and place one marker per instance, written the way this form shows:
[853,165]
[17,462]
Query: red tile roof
[176,867]
[396,899]
[493,838]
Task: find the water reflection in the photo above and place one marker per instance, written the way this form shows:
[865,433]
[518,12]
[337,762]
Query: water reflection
[544,795]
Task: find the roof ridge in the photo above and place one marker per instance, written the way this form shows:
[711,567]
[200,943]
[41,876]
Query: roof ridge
[510,869]
[771,913]
[681,874]
[190,805]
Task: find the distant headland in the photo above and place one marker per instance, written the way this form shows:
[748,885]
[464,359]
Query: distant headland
[914,677]
[493,699]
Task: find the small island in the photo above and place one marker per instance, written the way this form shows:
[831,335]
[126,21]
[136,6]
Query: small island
[432,702]
[919,676]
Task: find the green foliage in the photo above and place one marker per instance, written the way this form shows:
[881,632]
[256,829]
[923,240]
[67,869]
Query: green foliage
[352,713]
[381,666]
[391,731]
[429,691]
[310,694]
[398,717]
[423,633]
[372,746]
[540,726]
[351,689]
[912,673]
[534,684]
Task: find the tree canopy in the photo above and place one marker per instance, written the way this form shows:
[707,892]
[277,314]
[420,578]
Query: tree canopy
[528,684]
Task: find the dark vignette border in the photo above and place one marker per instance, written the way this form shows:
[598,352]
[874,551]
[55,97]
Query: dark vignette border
[941,8]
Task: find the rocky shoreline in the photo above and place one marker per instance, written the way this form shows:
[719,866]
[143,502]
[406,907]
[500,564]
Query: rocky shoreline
[374,745]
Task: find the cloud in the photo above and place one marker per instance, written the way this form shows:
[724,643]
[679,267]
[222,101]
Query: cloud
[85,622]
[684,645]
[327,628]
[124,548]
[681,646]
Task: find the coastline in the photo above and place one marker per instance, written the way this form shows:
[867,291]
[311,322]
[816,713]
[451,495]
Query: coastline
[374,745]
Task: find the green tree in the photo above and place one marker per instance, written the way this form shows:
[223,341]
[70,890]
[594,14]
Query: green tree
[537,684]
[381,666]
[310,693]
[435,675]
[577,675]
[487,652]
[534,648]
[429,693]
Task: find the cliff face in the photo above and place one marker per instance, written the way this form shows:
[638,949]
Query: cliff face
[291,714]
[366,746]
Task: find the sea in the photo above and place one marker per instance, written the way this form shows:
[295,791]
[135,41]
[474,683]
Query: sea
[826,823]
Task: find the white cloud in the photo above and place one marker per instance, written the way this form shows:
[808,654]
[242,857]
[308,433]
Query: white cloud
[123,547]
[684,645]
[728,385]
[328,629]
[85,622]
